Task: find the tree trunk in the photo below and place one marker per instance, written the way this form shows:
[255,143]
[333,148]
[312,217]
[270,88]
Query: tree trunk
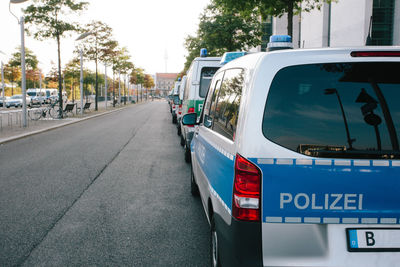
[290,18]
[60,99]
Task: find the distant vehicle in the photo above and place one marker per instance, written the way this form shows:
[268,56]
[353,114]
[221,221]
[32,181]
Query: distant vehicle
[198,80]
[16,101]
[50,94]
[296,158]
[37,96]
[175,100]
[5,99]
[180,108]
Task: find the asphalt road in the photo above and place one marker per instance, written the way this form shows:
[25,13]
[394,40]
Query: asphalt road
[109,191]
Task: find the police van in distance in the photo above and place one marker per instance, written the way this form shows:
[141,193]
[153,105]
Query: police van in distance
[296,158]
[199,76]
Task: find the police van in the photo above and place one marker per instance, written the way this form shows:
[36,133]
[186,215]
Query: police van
[199,76]
[296,158]
[175,100]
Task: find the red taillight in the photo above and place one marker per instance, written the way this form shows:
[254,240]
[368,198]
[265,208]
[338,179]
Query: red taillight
[191,110]
[375,54]
[246,190]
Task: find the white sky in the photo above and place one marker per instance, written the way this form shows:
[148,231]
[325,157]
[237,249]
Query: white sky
[147,28]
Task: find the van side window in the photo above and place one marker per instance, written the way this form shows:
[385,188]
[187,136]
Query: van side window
[188,83]
[207,74]
[209,111]
[228,102]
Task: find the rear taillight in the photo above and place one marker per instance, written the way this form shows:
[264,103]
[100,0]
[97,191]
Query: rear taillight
[246,190]
[191,110]
[375,54]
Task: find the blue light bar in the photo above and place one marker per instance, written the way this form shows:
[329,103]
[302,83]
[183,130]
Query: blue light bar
[280,39]
[279,42]
[229,56]
[203,52]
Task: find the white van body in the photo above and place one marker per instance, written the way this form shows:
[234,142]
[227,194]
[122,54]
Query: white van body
[198,79]
[334,204]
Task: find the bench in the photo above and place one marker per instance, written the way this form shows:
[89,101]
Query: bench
[85,107]
[68,109]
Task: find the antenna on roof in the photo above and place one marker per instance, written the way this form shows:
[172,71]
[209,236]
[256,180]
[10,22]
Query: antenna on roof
[166,60]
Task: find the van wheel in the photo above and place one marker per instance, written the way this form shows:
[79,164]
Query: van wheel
[214,255]
[182,140]
[174,119]
[187,154]
[179,130]
[194,189]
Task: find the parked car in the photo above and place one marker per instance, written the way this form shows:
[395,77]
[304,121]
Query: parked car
[16,101]
[199,76]
[5,99]
[296,158]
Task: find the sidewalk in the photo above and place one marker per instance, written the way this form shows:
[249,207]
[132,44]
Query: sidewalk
[16,131]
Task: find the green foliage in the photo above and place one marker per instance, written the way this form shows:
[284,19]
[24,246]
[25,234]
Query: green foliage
[222,30]
[96,45]
[47,17]
[276,8]
[31,60]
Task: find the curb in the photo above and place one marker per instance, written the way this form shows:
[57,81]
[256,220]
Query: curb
[17,137]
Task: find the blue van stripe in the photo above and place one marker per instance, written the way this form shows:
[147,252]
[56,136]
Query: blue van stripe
[330,220]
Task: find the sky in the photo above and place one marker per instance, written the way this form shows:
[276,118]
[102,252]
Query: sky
[150,30]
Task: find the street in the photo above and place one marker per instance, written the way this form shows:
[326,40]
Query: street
[109,191]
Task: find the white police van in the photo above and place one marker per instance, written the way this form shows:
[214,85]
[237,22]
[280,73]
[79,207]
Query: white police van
[198,80]
[296,158]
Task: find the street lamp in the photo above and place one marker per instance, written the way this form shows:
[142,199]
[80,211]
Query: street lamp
[331,91]
[2,82]
[80,37]
[23,79]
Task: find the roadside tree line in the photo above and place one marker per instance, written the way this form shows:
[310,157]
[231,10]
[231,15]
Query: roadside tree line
[50,19]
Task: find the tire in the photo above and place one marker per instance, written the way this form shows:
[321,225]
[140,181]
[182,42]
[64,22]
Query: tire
[174,119]
[54,112]
[188,158]
[35,114]
[179,131]
[194,189]
[214,254]
[182,140]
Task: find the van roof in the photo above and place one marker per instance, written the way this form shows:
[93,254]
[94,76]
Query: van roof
[207,59]
[309,56]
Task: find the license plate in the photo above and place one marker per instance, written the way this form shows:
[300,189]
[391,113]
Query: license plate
[373,239]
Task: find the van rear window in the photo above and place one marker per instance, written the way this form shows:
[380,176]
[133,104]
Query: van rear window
[336,110]
[207,74]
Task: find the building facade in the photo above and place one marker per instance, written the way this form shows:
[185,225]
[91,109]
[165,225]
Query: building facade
[341,23]
[164,82]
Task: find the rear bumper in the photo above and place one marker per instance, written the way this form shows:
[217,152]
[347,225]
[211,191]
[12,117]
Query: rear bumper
[239,242]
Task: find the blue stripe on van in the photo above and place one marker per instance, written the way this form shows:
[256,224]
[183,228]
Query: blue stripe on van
[330,191]
[218,166]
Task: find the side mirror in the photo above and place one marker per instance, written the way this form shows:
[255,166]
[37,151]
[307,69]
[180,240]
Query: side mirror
[189,119]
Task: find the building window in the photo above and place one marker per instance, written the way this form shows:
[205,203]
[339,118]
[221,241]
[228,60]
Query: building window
[382,22]
[266,33]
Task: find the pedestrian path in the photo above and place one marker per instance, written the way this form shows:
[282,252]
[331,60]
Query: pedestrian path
[11,127]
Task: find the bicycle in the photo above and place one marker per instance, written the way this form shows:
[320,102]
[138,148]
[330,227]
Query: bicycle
[52,109]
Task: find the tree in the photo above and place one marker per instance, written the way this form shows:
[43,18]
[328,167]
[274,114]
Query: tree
[72,74]
[46,21]
[271,7]
[96,45]
[222,30]
[122,64]
[12,74]
[31,62]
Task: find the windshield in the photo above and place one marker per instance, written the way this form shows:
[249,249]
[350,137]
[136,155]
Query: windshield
[348,110]
[31,93]
[206,75]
